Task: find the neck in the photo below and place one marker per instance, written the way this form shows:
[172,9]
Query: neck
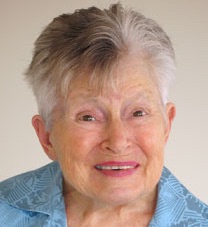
[85,211]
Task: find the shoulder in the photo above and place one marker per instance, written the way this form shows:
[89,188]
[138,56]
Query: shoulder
[178,205]
[13,217]
[28,197]
[21,185]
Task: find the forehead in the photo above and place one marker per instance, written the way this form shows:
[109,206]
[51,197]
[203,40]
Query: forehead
[128,76]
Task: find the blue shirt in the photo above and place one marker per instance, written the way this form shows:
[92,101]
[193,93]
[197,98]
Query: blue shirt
[35,199]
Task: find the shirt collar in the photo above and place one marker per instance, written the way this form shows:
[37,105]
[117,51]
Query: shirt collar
[35,191]
[41,190]
[169,192]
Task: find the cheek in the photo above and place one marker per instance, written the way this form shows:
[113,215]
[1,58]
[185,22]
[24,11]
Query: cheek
[75,174]
[73,150]
[151,140]
[71,153]
[151,143]
[73,143]
[72,159]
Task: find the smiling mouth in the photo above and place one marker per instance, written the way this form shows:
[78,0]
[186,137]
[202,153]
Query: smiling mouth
[115,168]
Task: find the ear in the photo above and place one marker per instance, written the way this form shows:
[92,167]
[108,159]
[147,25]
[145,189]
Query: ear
[43,136]
[170,115]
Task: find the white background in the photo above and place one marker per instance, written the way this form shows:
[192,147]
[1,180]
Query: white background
[186,22]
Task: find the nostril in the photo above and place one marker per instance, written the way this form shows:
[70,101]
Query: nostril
[116,146]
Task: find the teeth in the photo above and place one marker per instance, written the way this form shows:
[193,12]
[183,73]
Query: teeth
[114,167]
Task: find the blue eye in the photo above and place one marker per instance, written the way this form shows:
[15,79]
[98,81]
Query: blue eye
[87,118]
[139,113]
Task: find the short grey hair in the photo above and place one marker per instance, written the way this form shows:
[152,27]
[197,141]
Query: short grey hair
[95,40]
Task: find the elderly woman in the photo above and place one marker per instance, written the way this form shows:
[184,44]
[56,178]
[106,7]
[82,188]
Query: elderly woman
[101,79]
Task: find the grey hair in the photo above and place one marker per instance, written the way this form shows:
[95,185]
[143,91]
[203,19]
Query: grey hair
[94,40]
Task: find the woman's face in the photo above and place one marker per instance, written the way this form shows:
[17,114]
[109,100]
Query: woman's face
[110,144]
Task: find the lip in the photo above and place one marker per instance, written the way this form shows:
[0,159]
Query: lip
[117,168]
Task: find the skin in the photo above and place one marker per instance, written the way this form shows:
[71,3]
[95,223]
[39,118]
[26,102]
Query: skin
[125,122]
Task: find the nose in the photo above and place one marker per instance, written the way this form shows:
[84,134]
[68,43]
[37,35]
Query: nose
[116,137]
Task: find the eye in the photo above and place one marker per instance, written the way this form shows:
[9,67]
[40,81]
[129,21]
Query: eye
[87,118]
[139,113]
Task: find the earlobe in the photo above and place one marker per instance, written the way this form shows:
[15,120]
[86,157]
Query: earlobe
[170,113]
[43,136]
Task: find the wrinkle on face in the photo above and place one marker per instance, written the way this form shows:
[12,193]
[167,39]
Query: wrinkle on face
[80,145]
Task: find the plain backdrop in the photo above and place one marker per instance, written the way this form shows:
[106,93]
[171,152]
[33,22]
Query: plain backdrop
[186,22]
